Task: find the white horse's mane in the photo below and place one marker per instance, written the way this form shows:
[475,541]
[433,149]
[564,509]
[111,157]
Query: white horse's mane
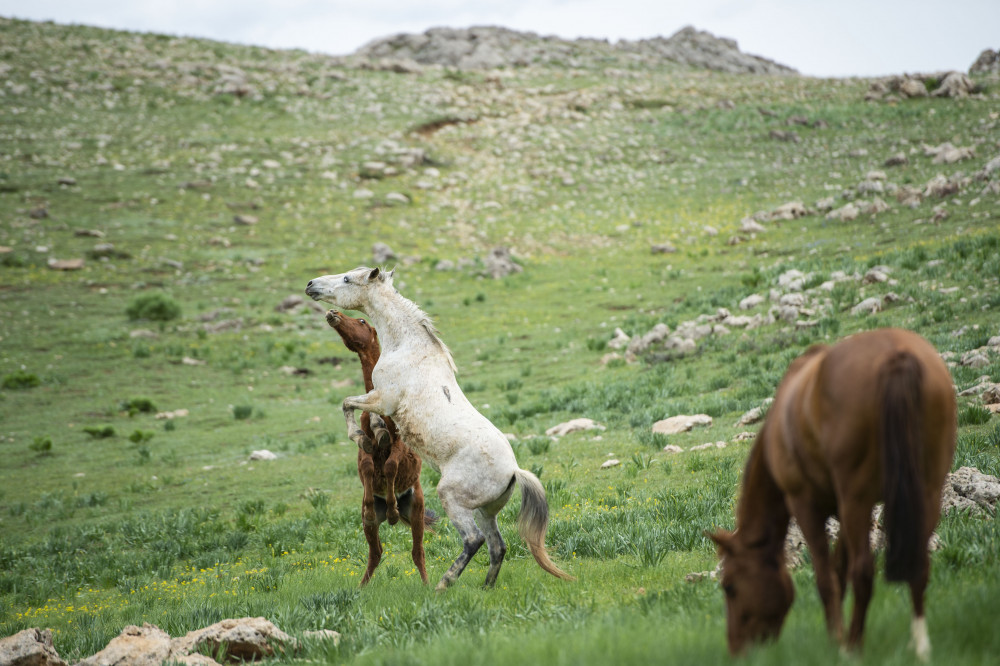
[423,320]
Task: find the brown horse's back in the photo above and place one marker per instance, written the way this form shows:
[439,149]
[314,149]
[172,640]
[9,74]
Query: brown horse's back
[817,425]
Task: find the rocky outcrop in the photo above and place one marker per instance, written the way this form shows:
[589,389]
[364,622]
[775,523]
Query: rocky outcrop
[988,62]
[487,47]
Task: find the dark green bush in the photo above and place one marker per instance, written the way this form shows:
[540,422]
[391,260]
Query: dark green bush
[21,380]
[100,432]
[155,307]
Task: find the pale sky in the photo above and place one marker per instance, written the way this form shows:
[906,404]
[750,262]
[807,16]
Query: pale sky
[817,37]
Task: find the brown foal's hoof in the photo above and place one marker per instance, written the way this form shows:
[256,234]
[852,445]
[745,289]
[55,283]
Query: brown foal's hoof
[382,438]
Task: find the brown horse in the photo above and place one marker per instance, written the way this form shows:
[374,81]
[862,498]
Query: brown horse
[385,463]
[871,418]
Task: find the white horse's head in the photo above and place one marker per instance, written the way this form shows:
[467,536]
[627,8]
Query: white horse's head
[348,290]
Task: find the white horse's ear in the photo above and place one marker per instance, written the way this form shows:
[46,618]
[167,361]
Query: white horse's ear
[374,275]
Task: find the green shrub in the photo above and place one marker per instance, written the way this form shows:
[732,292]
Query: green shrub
[141,436]
[21,380]
[42,446]
[155,307]
[100,432]
[242,412]
[136,405]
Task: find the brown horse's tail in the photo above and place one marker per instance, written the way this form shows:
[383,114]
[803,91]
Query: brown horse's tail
[533,521]
[902,451]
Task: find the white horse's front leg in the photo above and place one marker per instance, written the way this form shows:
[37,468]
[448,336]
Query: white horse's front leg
[370,402]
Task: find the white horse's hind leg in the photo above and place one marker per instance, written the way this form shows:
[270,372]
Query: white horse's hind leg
[494,541]
[472,537]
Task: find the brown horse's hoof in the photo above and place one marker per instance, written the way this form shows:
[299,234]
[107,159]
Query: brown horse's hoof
[383,439]
[363,442]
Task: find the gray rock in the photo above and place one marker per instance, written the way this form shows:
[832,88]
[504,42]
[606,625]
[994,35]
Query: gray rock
[751,302]
[954,84]
[969,489]
[499,263]
[988,62]
[681,423]
[31,647]
[382,253]
[620,340]
[573,425]
[658,333]
[868,306]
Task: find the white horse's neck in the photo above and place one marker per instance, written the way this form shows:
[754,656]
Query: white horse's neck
[400,323]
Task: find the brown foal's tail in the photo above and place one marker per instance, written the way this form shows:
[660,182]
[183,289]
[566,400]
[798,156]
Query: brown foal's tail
[902,452]
[533,521]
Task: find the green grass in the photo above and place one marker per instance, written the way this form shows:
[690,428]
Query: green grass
[110,516]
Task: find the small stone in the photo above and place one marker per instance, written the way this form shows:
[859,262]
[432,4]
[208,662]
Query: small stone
[614,462]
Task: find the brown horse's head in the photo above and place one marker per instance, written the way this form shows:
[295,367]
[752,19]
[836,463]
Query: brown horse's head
[758,591]
[357,334]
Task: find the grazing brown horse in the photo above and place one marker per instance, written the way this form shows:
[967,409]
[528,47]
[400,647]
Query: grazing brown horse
[870,418]
[385,463]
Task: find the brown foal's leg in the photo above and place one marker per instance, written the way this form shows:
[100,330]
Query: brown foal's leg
[417,530]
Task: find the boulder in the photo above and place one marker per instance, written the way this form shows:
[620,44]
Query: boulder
[382,253]
[954,84]
[969,489]
[912,88]
[641,344]
[754,415]
[499,263]
[244,639]
[573,425]
[147,645]
[750,302]
[681,423]
[988,62]
[867,306]
[263,454]
[31,647]
[620,340]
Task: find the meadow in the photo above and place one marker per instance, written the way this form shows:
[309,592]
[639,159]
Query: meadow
[198,208]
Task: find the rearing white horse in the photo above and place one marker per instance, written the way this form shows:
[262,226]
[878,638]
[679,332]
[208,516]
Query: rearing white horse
[415,385]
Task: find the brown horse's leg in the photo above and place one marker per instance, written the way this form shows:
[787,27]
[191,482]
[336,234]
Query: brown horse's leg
[918,629]
[855,524]
[417,530]
[369,517]
[389,470]
[813,525]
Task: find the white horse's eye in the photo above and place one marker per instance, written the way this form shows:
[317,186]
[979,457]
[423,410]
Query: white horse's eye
[347,279]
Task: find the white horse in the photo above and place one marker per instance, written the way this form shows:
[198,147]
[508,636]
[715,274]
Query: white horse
[415,385]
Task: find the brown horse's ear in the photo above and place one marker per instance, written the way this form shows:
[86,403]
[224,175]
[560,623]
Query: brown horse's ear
[722,539]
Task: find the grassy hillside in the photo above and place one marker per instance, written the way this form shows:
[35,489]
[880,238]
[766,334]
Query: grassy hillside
[219,179]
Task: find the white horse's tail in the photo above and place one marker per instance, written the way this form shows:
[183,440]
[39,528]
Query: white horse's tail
[533,521]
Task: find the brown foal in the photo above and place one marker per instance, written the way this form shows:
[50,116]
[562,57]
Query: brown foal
[385,464]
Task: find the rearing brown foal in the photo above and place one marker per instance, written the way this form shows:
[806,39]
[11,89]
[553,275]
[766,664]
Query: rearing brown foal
[385,463]
[871,418]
